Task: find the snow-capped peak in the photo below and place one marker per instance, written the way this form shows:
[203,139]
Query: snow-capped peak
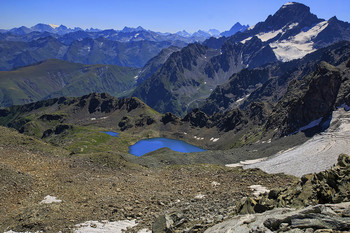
[289,4]
[53,26]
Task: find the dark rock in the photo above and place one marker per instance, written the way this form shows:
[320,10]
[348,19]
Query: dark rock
[169,117]
[4,112]
[197,118]
[61,128]
[47,133]
[51,117]
[125,123]
[344,160]
[306,100]
[144,120]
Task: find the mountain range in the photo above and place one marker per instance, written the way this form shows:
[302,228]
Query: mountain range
[189,76]
[131,47]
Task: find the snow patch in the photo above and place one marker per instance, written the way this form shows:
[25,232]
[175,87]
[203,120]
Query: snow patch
[251,27]
[199,196]
[310,125]
[289,3]
[345,107]
[214,183]
[214,139]
[10,231]
[105,226]
[136,35]
[198,138]
[53,26]
[245,162]
[136,77]
[265,36]
[50,199]
[299,45]
[245,40]
[93,119]
[258,189]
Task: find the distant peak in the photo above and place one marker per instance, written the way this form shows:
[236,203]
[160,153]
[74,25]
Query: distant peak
[294,5]
[290,3]
[53,26]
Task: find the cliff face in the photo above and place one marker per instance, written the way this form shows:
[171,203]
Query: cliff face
[306,100]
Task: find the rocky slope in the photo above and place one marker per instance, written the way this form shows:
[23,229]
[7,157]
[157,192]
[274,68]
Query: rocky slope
[155,63]
[105,186]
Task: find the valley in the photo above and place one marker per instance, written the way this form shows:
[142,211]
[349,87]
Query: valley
[132,130]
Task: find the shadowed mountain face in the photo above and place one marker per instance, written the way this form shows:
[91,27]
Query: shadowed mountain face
[155,63]
[269,83]
[291,33]
[188,76]
[296,92]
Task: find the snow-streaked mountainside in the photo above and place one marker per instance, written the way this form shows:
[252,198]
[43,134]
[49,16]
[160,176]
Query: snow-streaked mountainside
[298,36]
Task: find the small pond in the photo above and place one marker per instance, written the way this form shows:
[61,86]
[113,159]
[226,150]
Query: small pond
[114,134]
[148,145]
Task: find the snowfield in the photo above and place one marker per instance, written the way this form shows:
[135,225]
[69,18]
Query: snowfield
[297,46]
[317,154]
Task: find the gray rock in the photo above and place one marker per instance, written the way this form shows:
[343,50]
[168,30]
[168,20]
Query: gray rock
[311,219]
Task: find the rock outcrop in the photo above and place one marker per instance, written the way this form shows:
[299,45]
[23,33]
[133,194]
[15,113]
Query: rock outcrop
[322,200]
[319,218]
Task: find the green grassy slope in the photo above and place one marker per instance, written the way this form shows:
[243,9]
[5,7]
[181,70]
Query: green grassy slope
[55,78]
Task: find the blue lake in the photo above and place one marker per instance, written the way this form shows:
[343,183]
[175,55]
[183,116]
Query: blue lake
[114,134]
[147,145]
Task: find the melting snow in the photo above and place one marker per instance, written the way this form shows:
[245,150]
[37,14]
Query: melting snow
[106,226]
[50,199]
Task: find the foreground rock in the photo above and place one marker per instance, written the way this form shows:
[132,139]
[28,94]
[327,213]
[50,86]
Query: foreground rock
[323,199]
[311,219]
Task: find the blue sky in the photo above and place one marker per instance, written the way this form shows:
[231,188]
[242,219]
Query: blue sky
[156,15]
